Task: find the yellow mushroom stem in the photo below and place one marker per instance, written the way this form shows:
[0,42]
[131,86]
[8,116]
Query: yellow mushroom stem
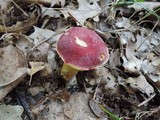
[68,72]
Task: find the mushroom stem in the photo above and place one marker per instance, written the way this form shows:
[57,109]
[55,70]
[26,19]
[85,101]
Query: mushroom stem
[68,72]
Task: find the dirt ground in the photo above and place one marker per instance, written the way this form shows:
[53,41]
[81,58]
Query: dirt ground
[126,87]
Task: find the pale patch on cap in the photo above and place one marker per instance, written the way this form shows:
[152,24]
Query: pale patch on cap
[81,42]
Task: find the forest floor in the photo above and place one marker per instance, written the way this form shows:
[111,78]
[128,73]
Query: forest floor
[127,87]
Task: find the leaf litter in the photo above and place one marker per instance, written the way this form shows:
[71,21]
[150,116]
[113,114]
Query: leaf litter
[127,86]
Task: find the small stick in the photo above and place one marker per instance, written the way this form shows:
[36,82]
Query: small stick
[23,105]
[3,21]
[19,8]
[45,40]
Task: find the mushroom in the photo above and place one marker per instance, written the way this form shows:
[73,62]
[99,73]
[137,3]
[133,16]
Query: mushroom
[81,49]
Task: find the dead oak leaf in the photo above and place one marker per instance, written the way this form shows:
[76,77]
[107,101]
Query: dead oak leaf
[39,35]
[84,11]
[22,26]
[7,88]
[35,67]
[12,65]
[21,41]
[152,69]
[141,84]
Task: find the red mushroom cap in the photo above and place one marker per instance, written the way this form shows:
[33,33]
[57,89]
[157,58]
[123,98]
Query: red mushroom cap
[82,49]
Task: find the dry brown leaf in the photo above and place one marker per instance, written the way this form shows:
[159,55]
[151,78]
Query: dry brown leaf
[56,111]
[123,23]
[84,11]
[50,12]
[58,1]
[136,41]
[152,69]
[77,107]
[6,89]
[12,69]
[96,109]
[35,67]
[12,65]
[8,112]
[41,34]
[22,26]
[132,64]
[5,4]
[139,56]
[21,41]
[114,59]
[141,84]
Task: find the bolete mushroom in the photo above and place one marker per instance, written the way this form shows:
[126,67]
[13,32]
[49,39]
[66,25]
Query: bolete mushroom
[81,49]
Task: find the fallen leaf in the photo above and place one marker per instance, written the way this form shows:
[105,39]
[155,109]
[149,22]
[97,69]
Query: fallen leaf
[58,1]
[141,84]
[35,67]
[39,35]
[8,88]
[50,12]
[35,90]
[21,26]
[114,59]
[21,41]
[84,11]
[12,65]
[8,112]
[123,23]
[132,64]
[96,109]
[5,5]
[56,111]
[152,69]
[77,107]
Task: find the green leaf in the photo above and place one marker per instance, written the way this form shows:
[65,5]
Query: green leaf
[114,117]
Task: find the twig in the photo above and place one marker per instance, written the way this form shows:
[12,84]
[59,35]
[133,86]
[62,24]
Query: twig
[23,105]
[94,96]
[3,21]
[144,102]
[30,80]
[154,27]
[139,115]
[60,32]
[20,8]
